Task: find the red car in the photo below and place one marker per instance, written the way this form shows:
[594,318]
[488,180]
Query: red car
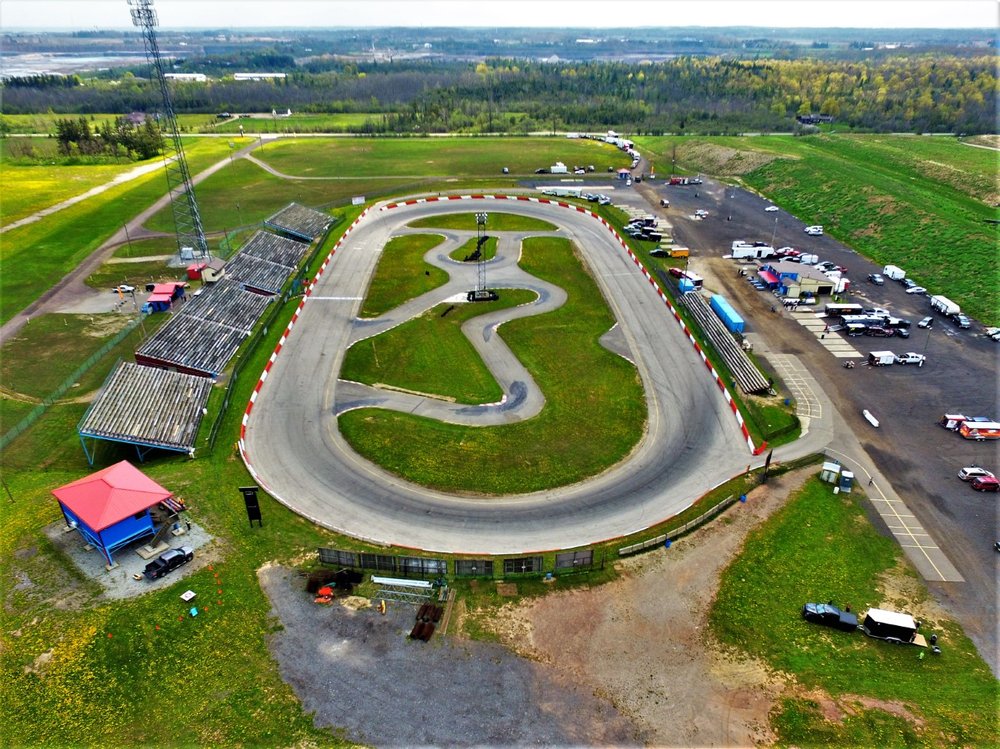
[985,484]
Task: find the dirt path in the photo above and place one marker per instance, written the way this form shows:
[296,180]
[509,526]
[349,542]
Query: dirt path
[643,641]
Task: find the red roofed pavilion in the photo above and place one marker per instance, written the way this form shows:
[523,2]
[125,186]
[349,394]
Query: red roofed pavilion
[110,508]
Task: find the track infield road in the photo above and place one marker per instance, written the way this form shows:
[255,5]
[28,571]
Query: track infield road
[293,447]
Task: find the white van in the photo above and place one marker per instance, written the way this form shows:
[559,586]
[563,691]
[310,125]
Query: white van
[814,231]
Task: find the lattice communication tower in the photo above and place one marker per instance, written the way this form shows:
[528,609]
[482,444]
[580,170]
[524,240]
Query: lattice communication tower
[191,243]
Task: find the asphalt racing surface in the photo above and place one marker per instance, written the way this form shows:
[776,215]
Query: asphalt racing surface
[297,454]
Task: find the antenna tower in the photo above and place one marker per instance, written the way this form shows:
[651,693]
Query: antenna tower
[187,220]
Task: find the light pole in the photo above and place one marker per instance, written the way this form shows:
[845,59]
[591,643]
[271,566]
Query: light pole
[774,231]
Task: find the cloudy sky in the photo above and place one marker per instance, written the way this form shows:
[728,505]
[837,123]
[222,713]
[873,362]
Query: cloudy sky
[89,14]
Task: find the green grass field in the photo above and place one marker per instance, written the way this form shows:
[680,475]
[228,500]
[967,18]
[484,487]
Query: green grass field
[920,203]
[496,221]
[402,273]
[594,412]
[35,256]
[430,354]
[434,157]
[45,123]
[298,123]
[820,547]
[487,251]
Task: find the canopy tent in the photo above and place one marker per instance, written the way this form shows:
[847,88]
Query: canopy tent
[110,508]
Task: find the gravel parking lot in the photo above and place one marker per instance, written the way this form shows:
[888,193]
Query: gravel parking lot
[357,670]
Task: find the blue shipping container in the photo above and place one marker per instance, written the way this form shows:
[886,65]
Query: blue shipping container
[730,318]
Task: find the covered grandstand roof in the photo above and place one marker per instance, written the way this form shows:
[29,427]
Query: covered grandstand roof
[280,250]
[148,407]
[192,345]
[299,221]
[255,273]
[228,303]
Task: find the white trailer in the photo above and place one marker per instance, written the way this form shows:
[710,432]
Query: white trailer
[944,305]
[881,358]
[749,251]
[894,272]
[559,168]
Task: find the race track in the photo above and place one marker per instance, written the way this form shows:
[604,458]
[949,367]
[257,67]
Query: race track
[292,445]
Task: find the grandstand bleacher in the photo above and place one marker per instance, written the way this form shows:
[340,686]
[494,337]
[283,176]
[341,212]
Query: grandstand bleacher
[298,221]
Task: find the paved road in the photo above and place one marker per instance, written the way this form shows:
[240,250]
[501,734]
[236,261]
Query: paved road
[917,459]
[292,442]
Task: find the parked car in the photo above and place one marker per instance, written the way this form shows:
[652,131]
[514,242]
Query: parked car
[908,283]
[911,357]
[961,321]
[985,484]
[877,332]
[876,278]
[973,472]
[830,616]
[902,332]
[701,213]
[771,208]
[543,170]
[664,203]
[168,561]
[505,170]
[123,289]
[677,272]
[916,290]
[927,322]
[814,231]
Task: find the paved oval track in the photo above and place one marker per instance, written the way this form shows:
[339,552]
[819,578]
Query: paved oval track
[292,445]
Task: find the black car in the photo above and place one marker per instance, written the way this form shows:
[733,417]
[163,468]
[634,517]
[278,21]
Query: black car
[830,616]
[903,332]
[876,278]
[167,562]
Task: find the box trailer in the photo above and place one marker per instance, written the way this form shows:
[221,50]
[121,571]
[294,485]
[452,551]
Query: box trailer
[881,358]
[944,305]
[730,317]
[749,251]
[893,627]
[680,252]
[980,430]
[695,280]
[894,272]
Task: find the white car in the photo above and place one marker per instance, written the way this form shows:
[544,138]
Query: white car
[916,290]
[771,208]
[701,213]
[911,358]
[815,231]
[974,472]
[123,289]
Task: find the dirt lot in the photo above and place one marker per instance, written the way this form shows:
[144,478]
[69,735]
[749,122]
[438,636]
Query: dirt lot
[622,664]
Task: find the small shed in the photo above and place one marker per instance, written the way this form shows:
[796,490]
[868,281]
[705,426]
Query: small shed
[194,271]
[174,289]
[213,271]
[110,508]
[157,302]
[624,174]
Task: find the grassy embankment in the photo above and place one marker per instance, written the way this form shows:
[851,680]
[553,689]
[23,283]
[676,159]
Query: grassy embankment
[920,203]
[820,547]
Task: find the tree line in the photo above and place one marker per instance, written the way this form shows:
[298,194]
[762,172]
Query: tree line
[122,138]
[905,93]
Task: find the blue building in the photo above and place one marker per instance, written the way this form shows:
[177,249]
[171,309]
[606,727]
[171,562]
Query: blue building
[110,508]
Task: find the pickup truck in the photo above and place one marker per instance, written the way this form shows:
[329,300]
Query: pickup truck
[167,562]
[911,358]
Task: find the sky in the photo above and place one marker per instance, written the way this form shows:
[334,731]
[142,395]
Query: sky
[111,14]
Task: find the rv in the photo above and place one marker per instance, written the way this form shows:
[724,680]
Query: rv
[836,310]
[892,627]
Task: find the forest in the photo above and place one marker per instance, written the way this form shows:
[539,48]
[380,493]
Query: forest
[925,92]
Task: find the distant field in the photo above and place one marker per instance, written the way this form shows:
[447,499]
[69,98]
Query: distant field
[495,221]
[297,123]
[918,202]
[46,123]
[434,157]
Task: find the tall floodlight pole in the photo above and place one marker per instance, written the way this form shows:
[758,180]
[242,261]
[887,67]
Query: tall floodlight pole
[480,242]
[187,220]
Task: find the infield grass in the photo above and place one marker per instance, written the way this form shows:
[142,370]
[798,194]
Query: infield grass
[819,547]
[496,221]
[488,250]
[593,416]
[429,354]
[402,274]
